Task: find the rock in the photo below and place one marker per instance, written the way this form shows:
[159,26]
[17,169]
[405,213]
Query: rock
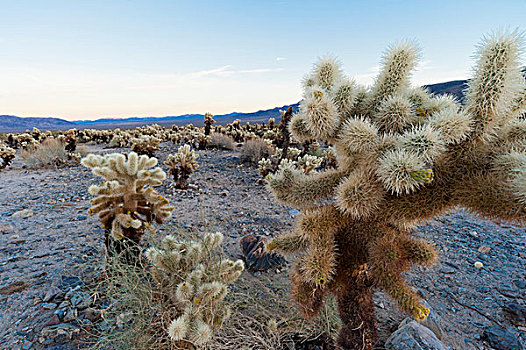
[294,212]
[49,306]
[50,294]
[521,284]
[81,300]
[256,256]
[27,345]
[515,313]
[71,315]
[23,213]
[413,336]
[501,339]
[52,321]
[69,282]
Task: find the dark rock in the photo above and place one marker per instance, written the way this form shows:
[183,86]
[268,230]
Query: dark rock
[256,255]
[52,321]
[413,336]
[515,313]
[501,339]
[69,282]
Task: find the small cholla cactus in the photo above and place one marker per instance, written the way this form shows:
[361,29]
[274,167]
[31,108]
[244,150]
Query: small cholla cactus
[196,277]
[70,141]
[209,120]
[265,166]
[271,123]
[7,154]
[403,157]
[126,202]
[308,163]
[145,145]
[182,165]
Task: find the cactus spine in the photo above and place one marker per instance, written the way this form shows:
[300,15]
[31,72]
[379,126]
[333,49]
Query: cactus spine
[404,157]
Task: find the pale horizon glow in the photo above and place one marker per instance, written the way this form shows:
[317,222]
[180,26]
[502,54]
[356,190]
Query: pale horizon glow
[130,58]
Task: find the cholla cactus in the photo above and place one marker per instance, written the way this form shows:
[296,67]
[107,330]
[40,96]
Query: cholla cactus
[404,157]
[209,120]
[145,145]
[308,163]
[126,202]
[196,278]
[7,154]
[182,165]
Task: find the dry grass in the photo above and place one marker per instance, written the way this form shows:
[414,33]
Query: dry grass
[220,141]
[254,150]
[51,153]
[261,319]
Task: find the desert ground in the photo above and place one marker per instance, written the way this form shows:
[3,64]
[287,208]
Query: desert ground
[50,247]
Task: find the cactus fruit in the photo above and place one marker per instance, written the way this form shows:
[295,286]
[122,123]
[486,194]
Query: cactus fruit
[126,202]
[182,165]
[7,154]
[404,157]
[196,278]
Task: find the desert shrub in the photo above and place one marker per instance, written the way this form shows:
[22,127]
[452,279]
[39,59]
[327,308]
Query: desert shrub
[404,157]
[254,150]
[50,153]
[221,141]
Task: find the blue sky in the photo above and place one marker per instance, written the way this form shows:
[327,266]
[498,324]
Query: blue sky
[90,59]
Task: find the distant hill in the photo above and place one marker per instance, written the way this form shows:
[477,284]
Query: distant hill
[13,123]
[455,88]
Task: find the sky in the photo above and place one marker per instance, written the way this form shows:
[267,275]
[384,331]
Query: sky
[80,60]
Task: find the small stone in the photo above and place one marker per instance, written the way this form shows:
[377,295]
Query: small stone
[27,345]
[23,213]
[49,306]
[501,339]
[413,336]
[52,321]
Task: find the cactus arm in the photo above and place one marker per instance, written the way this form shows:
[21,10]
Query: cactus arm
[292,187]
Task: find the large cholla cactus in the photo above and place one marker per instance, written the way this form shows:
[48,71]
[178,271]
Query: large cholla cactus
[404,157]
[195,276]
[126,203]
[7,154]
[182,165]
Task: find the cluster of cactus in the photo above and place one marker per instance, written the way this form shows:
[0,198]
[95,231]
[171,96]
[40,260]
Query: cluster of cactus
[182,165]
[195,276]
[7,154]
[297,159]
[145,145]
[403,158]
[126,202]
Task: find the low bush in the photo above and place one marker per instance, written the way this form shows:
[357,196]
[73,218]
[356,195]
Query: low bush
[254,150]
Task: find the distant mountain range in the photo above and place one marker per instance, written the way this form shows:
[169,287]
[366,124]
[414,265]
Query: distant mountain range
[16,124]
